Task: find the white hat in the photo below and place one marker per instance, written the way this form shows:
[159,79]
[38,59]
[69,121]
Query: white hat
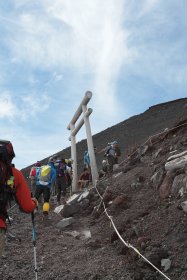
[51,159]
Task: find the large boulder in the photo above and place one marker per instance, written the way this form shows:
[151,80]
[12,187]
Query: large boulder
[176,162]
[64,223]
[70,210]
[179,186]
[165,188]
[157,178]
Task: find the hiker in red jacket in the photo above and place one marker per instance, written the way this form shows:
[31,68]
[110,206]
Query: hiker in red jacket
[12,182]
[84,179]
[32,176]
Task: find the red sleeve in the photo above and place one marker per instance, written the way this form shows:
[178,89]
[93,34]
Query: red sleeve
[2,222]
[23,194]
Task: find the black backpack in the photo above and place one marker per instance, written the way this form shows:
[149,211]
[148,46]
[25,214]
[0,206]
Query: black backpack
[60,168]
[7,189]
[109,147]
[117,151]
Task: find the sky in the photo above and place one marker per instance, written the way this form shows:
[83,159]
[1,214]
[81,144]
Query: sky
[130,54]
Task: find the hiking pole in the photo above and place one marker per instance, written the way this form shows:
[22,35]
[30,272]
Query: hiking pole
[34,243]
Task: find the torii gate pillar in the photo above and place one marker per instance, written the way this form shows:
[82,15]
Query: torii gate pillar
[85,120]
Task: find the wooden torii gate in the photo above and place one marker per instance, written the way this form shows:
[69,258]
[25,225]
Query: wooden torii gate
[82,109]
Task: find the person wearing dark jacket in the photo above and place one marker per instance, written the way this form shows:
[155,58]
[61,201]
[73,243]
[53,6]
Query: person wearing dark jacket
[84,179]
[21,189]
[112,153]
[61,180]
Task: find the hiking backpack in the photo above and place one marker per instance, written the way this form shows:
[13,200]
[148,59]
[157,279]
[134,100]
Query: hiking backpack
[33,172]
[44,176]
[109,147]
[7,188]
[60,168]
[117,151]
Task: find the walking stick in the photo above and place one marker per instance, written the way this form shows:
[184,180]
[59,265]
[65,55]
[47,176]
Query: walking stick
[34,243]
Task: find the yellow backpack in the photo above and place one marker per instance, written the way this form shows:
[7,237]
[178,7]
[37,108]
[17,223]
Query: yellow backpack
[45,175]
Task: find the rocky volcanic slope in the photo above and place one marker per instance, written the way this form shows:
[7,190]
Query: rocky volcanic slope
[145,198]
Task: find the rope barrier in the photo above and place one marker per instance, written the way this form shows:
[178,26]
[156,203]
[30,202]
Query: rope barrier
[123,241]
[160,133]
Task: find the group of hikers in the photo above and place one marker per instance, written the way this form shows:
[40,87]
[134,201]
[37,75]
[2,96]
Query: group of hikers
[57,172]
[111,152]
[55,176]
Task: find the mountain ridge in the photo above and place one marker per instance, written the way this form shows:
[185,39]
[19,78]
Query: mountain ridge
[130,132]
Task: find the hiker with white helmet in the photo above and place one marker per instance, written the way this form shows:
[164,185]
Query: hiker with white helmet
[112,152]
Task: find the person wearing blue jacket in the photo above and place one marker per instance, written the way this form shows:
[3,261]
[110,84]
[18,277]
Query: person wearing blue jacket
[45,177]
[86,159]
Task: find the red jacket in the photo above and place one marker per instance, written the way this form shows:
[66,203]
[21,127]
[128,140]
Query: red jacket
[85,177]
[23,195]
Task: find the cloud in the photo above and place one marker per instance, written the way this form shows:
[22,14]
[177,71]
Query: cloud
[33,104]
[101,45]
[57,77]
[148,7]
[22,107]
[86,36]
[7,108]
[157,32]
[128,53]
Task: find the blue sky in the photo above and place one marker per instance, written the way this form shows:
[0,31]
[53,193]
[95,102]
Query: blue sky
[130,54]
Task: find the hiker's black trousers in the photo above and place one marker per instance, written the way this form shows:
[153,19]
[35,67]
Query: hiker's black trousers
[46,193]
[61,187]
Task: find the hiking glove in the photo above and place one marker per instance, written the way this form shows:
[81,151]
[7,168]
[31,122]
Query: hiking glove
[35,201]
